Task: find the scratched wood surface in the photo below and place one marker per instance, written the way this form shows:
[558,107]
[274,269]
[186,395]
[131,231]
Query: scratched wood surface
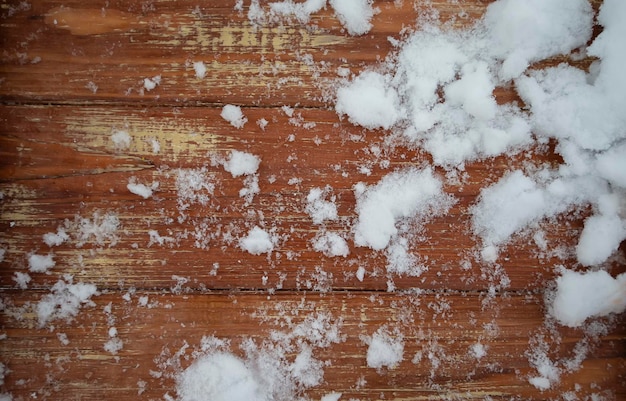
[72,74]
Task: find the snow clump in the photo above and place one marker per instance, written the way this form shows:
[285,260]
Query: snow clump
[233,115]
[219,377]
[407,193]
[40,263]
[318,207]
[64,300]
[257,241]
[384,350]
[241,163]
[580,296]
[354,15]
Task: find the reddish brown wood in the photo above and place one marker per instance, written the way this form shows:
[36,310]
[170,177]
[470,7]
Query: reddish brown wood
[152,335]
[58,164]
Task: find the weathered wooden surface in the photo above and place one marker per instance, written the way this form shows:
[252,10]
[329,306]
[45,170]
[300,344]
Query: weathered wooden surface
[80,370]
[71,73]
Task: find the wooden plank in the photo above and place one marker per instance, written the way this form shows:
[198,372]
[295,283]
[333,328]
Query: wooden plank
[153,334]
[103,54]
[72,74]
[86,174]
[48,61]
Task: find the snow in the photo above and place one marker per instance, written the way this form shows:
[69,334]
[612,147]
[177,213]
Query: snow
[56,239]
[354,15]
[151,83]
[368,101]
[139,189]
[200,69]
[301,11]
[234,115]
[600,237]
[40,263]
[257,241]
[318,208]
[582,111]
[21,280]
[478,350]
[507,206]
[435,92]
[331,244]
[580,296]
[564,105]
[331,397]
[408,193]
[611,165]
[64,300]
[219,377]
[541,383]
[281,367]
[121,140]
[522,33]
[473,91]
[384,350]
[262,123]
[360,273]
[242,163]
[113,346]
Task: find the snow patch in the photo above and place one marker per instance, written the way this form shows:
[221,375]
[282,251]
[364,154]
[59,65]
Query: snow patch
[257,241]
[233,115]
[580,296]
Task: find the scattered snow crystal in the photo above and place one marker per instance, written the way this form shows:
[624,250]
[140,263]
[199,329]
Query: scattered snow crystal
[193,186]
[318,208]
[64,300]
[99,229]
[331,244]
[56,239]
[580,296]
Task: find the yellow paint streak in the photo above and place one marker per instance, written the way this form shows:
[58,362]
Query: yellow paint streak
[175,137]
[203,35]
[20,206]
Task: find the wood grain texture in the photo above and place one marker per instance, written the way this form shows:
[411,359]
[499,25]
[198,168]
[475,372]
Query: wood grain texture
[72,74]
[153,335]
